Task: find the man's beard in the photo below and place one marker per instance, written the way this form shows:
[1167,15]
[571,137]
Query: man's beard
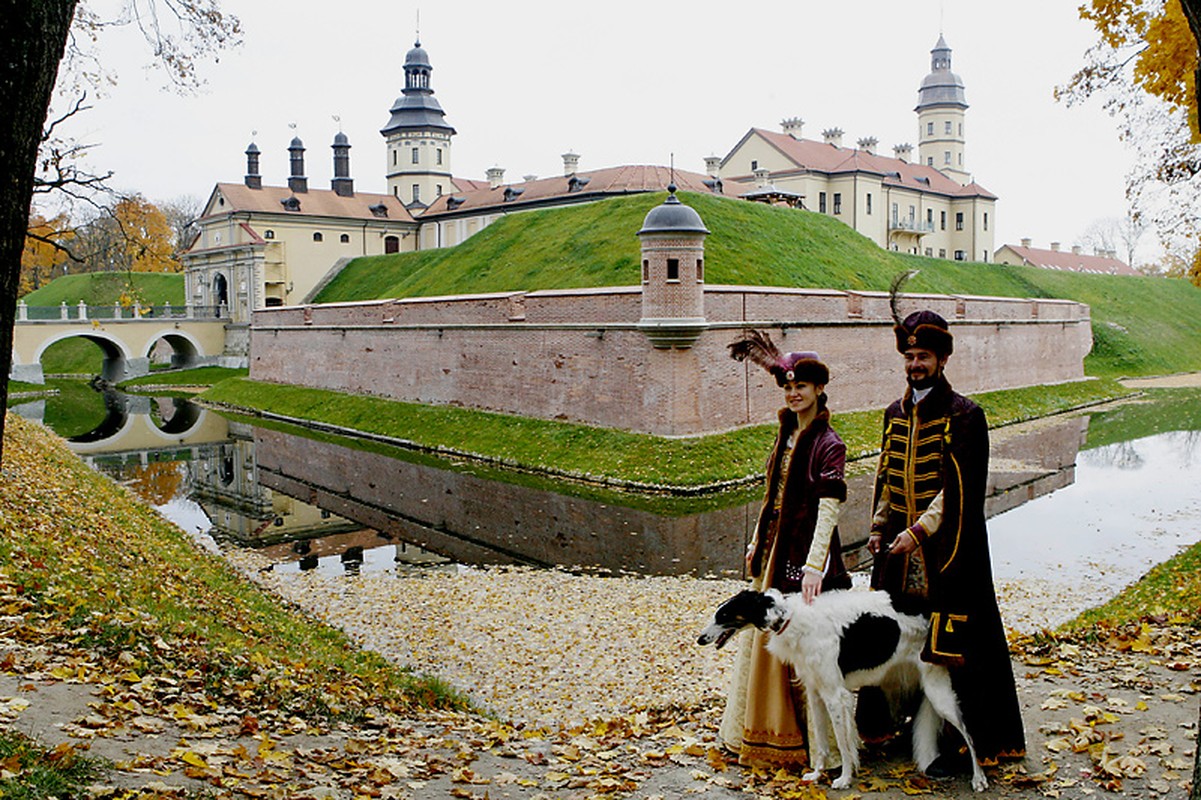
[923,383]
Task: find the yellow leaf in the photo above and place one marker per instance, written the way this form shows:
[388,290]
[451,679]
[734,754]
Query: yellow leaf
[195,760]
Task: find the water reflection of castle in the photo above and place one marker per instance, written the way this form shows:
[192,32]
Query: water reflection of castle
[299,500]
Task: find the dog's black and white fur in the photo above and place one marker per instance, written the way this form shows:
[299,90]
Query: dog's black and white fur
[844,640]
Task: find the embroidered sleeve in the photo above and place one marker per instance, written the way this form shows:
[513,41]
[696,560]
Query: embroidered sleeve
[831,477]
[880,518]
[828,510]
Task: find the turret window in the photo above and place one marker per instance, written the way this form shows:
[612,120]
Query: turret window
[929,128]
[416,155]
[947,127]
[946,156]
[438,155]
[673,269]
[646,271]
[700,270]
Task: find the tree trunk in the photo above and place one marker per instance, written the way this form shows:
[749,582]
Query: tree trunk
[32,38]
[1192,12]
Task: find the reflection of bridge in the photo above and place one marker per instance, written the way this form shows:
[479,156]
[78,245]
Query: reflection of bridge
[196,336]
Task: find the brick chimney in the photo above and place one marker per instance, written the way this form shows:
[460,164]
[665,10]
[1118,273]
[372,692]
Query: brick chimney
[297,182]
[253,179]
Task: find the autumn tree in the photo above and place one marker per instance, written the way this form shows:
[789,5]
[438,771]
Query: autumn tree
[34,39]
[131,235]
[1145,66]
[45,254]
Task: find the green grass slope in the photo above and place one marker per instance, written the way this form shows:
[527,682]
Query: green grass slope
[1141,326]
[105,288]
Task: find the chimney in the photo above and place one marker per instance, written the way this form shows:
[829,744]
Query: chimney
[1075,249]
[1026,242]
[298,183]
[902,152]
[761,178]
[833,136]
[792,126]
[1055,247]
[342,184]
[253,179]
[712,165]
[571,163]
[496,176]
[528,178]
[868,144]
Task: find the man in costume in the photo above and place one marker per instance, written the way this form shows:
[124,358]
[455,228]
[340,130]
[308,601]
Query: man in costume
[930,544]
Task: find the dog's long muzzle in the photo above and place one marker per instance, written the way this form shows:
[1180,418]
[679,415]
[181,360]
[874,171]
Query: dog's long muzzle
[717,634]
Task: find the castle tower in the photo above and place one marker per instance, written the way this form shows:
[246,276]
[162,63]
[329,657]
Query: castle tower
[673,274]
[418,138]
[342,183]
[940,114]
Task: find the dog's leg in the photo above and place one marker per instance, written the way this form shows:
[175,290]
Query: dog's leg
[936,682]
[925,735]
[819,745]
[840,705]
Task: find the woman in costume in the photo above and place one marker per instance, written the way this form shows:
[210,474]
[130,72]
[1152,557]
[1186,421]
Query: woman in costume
[795,548]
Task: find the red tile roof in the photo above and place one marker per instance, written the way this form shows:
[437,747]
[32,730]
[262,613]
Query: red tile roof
[313,203]
[810,155]
[1068,261]
[630,179]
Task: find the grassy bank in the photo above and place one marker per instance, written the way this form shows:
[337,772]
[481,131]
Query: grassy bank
[85,564]
[106,288]
[1141,326]
[599,454]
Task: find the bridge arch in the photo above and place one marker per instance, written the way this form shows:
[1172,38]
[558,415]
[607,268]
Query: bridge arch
[186,350]
[116,353]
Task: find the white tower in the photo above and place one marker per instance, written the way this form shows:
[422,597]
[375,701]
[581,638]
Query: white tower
[418,138]
[940,114]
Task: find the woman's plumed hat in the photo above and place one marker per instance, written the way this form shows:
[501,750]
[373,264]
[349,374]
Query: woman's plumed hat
[924,329]
[801,366]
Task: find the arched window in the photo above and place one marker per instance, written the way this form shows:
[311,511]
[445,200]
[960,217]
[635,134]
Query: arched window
[391,244]
[268,234]
[317,237]
[344,238]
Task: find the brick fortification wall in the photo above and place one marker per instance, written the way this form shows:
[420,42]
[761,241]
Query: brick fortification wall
[578,355]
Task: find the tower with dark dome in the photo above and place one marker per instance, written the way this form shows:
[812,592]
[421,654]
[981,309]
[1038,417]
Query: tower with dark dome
[940,116]
[673,274]
[418,138]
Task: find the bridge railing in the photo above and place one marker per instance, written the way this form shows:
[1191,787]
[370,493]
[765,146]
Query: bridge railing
[82,312]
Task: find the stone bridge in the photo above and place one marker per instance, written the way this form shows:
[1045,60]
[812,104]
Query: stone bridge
[126,335]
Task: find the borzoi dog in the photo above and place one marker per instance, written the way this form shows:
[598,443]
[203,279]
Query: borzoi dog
[844,640]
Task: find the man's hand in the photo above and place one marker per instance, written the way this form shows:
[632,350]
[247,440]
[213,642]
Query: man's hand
[873,543]
[904,543]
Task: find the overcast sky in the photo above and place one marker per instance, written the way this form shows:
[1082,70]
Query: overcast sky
[623,82]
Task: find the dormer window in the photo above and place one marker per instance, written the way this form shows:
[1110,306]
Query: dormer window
[290,204]
[575,183]
[378,210]
[454,202]
[714,185]
[512,193]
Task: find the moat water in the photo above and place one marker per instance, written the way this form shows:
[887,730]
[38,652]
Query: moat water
[1084,497]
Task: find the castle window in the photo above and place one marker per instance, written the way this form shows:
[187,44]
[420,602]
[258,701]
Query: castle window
[929,161]
[942,252]
[942,220]
[754,166]
[960,255]
[646,271]
[837,202]
[673,269]
[416,155]
[929,128]
[946,156]
[958,220]
[821,202]
[344,238]
[268,234]
[985,220]
[929,252]
[947,127]
[438,155]
[394,158]
[416,193]
[391,244]
[930,218]
[317,237]
[869,202]
[961,129]
[700,270]
[437,190]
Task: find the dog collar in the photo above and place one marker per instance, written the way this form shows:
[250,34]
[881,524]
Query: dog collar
[781,629]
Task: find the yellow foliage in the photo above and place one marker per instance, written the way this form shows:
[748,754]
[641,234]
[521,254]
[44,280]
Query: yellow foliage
[148,235]
[40,259]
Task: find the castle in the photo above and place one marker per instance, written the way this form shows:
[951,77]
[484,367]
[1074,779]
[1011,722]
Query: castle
[263,246]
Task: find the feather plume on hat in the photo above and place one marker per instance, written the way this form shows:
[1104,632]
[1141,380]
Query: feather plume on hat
[894,292]
[760,349]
